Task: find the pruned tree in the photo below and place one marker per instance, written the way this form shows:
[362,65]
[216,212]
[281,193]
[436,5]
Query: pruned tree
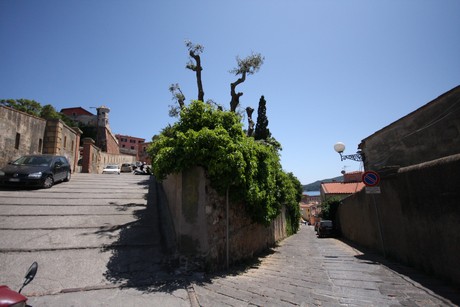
[262,132]
[194,51]
[249,112]
[179,97]
[246,66]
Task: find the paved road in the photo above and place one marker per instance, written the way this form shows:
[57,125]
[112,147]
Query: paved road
[93,232]
[97,243]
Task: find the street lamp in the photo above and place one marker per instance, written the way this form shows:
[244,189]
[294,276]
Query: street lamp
[340,148]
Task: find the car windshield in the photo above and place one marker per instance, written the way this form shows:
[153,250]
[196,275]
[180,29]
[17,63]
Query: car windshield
[33,160]
[112,166]
[326,223]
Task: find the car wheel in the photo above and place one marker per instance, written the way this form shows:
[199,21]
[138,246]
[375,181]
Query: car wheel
[48,183]
[67,177]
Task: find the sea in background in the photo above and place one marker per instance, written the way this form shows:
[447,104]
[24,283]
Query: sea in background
[311,193]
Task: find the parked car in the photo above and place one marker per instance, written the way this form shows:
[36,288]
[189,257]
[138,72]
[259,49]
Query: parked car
[36,170]
[126,167]
[325,228]
[111,169]
[316,226]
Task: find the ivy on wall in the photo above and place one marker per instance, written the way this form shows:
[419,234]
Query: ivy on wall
[214,139]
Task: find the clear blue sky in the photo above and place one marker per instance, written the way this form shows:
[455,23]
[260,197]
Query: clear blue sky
[333,71]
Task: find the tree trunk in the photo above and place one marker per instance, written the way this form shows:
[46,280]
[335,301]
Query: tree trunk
[236,96]
[198,70]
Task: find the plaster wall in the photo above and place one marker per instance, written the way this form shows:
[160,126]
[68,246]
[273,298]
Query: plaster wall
[428,133]
[419,217]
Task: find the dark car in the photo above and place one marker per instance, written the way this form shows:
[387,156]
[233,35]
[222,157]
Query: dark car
[36,170]
[325,228]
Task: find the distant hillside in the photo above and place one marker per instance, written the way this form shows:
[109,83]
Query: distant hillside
[315,186]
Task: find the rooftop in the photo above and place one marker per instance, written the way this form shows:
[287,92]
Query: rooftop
[342,188]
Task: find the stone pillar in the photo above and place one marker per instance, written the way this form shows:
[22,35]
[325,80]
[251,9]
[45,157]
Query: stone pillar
[88,144]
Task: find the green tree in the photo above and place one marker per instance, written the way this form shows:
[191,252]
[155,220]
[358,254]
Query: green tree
[25,105]
[329,208]
[262,132]
[49,112]
[214,139]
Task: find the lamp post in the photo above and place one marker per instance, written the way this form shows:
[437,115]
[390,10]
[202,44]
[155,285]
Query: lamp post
[340,148]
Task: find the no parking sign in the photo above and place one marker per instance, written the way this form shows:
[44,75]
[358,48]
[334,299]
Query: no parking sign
[371,178]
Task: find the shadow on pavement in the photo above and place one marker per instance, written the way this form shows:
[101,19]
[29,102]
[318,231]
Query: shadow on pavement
[137,256]
[439,287]
[141,259]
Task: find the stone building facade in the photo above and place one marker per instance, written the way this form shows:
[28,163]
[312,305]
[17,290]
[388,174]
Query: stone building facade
[21,134]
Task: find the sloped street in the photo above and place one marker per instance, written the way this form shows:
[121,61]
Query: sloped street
[92,232]
[97,242]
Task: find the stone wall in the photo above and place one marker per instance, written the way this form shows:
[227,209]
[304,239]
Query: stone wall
[419,216]
[62,140]
[428,133]
[94,159]
[21,134]
[200,222]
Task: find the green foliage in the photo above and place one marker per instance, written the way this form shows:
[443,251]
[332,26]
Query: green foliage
[25,105]
[262,132]
[249,65]
[209,137]
[329,208]
[34,108]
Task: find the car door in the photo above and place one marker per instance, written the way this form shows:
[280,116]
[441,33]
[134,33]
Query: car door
[60,169]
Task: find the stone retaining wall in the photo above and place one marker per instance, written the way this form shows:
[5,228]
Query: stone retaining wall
[200,223]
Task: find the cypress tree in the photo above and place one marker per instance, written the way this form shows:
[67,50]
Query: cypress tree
[262,132]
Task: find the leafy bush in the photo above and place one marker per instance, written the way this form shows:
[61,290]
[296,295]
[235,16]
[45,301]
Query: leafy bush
[214,139]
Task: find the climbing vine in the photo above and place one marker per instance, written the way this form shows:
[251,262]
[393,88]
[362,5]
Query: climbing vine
[214,139]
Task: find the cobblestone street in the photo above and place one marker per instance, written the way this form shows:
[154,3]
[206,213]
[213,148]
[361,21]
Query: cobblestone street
[308,271]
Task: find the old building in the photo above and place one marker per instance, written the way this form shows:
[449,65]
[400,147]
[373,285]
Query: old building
[351,184]
[25,134]
[129,145]
[22,134]
[80,115]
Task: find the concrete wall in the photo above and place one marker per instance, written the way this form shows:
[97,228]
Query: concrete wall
[431,132]
[419,216]
[199,218]
[30,129]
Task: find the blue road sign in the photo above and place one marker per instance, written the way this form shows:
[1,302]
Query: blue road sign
[371,178]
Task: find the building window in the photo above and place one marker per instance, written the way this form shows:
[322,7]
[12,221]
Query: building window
[65,142]
[132,147]
[40,144]
[18,138]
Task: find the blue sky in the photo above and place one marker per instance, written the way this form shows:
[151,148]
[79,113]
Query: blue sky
[334,70]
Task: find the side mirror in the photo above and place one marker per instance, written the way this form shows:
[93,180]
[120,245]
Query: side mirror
[30,275]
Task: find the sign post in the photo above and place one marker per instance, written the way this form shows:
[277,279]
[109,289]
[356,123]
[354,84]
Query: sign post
[371,179]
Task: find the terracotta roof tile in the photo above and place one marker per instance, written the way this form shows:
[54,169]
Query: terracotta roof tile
[342,188]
